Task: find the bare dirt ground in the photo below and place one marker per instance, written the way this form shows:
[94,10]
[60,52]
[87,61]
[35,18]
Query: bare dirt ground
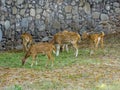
[77,75]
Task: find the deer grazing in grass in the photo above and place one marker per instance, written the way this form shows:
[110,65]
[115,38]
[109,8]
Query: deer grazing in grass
[95,39]
[42,48]
[66,37]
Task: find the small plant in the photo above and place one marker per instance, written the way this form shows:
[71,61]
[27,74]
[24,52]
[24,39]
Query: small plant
[17,87]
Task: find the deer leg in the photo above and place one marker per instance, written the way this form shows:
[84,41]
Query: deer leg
[63,47]
[36,60]
[58,49]
[25,57]
[76,47]
[49,58]
[33,59]
[97,42]
[66,46]
[102,44]
[92,44]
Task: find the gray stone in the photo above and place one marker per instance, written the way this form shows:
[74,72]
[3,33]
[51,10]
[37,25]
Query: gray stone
[20,1]
[68,16]
[76,17]
[56,24]
[68,21]
[0,35]
[41,2]
[2,22]
[32,12]
[24,22]
[117,10]
[60,11]
[111,11]
[14,10]
[26,15]
[73,3]
[104,17]
[38,16]
[45,39]
[87,8]
[81,3]
[116,4]
[22,12]
[8,2]
[18,29]
[18,16]
[30,6]
[107,7]
[55,7]
[68,1]
[80,8]
[38,10]
[30,18]
[97,1]
[2,17]
[49,19]
[38,23]
[42,27]
[21,6]
[18,23]
[41,22]
[96,15]
[3,2]
[42,17]
[3,8]
[44,13]
[75,10]
[59,2]
[53,31]
[61,16]
[68,8]
[19,47]
[7,24]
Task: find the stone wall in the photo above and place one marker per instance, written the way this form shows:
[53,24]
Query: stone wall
[43,18]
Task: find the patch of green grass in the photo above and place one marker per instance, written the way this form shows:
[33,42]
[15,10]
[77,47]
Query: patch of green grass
[13,60]
[46,85]
[15,87]
[113,86]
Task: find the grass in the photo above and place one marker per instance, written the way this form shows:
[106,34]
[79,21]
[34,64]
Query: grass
[113,86]
[10,59]
[111,52]
[13,59]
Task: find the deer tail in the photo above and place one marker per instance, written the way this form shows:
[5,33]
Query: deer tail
[79,38]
